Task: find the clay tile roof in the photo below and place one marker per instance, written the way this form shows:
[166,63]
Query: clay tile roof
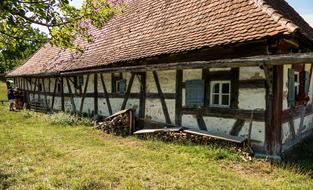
[154,27]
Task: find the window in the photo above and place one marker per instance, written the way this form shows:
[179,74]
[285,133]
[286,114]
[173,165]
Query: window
[298,86]
[220,93]
[116,77]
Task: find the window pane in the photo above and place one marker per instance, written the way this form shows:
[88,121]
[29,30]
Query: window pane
[225,100]
[215,99]
[225,88]
[216,88]
[296,77]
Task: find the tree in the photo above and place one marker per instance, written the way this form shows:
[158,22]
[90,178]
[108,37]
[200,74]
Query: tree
[19,39]
[62,19]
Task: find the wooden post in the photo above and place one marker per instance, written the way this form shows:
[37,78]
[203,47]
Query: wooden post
[162,99]
[106,95]
[71,94]
[234,88]
[178,100]
[62,95]
[129,86]
[142,101]
[96,93]
[84,95]
[274,101]
[54,93]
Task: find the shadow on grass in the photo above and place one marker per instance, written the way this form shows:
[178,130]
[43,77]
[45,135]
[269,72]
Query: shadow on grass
[5,180]
[301,157]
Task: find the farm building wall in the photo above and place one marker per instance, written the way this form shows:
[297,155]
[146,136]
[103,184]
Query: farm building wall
[297,121]
[250,97]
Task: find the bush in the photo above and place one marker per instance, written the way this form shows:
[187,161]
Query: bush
[65,119]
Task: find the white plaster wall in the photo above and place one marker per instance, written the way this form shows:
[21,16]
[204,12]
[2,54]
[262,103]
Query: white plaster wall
[308,120]
[154,110]
[257,132]
[167,81]
[252,98]
[192,74]
[247,73]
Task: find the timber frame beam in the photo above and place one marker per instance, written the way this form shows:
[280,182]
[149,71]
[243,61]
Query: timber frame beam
[283,59]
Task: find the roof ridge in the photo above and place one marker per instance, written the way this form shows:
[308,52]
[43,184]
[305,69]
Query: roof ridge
[276,16]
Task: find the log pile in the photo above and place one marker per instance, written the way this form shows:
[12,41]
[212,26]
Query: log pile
[181,137]
[118,124]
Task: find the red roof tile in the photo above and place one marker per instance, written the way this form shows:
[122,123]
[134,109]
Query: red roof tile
[154,27]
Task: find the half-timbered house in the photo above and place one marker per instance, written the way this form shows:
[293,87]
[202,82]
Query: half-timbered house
[241,68]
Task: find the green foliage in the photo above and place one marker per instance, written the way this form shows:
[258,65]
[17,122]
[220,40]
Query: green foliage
[19,39]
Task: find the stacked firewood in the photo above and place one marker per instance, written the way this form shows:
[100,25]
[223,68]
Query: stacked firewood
[180,137]
[117,125]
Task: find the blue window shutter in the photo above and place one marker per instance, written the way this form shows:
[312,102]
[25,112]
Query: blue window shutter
[194,93]
[306,82]
[122,86]
[291,88]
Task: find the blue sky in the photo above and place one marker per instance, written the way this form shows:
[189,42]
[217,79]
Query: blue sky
[303,7]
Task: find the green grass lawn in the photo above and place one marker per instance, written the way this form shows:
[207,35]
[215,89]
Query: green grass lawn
[36,154]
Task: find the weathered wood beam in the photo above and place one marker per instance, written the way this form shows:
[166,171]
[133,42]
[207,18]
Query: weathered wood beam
[142,99]
[273,122]
[179,98]
[71,94]
[129,87]
[225,113]
[252,83]
[95,98]
[201,122]
[106,95]
[297,58]
[237,127]
[62,94]
[234,88]
[84,95]
[162,99]
[44,91]
[54,93]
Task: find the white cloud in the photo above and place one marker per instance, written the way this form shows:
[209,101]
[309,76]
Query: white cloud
[309,18]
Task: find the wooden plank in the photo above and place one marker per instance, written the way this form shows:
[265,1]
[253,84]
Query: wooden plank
[62,94]
[112,95]
[201,122]
[106,95]
[129,86]
[71,94]
[273,123]
[259,115]
[220,136]
[84,95]
[206,78]
[162,99]
[44,91]
[237,127]
[54,93]
[252,83]
[234,88]
[142,99]
[96,107]
[178,100]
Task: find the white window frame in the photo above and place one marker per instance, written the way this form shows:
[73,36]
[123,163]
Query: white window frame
[297,83]
[220,94]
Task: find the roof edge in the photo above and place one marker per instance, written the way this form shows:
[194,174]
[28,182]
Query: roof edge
[276,16]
